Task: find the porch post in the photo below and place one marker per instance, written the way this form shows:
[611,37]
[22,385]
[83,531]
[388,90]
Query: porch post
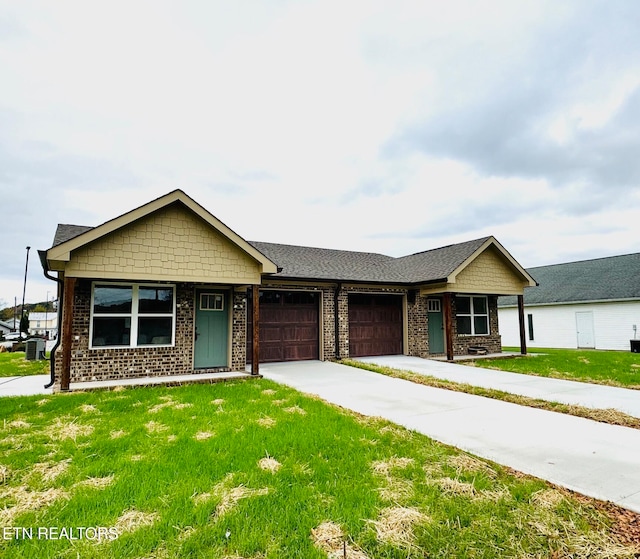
[67,332]
[255,361]
[523,338]
[448,324]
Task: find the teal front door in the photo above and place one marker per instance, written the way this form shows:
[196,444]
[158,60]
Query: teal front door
[436,325]
[212,329]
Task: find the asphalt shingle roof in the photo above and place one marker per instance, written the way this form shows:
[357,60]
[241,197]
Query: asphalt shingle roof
[320,263]
[65,232]
[343,265]
[601,279]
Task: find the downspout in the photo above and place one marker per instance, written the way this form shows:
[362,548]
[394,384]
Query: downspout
[337,319]
[52,355]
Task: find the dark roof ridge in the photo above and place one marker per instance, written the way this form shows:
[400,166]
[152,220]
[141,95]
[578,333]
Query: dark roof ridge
[289,245]
[470,241]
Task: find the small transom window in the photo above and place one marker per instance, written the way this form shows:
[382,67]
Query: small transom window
[211,302]
[433,305]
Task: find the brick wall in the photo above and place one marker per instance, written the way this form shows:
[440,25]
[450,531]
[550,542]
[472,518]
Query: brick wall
[239,331]
[492,342]
[115,363]
[418,326]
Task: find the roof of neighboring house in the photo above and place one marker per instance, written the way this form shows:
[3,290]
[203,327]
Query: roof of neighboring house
[11,323]
[43,315]
[601,279]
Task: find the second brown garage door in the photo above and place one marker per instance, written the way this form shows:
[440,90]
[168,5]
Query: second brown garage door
[288,326]
[375,325]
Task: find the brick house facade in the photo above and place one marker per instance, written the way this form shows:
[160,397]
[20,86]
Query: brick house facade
[167,289]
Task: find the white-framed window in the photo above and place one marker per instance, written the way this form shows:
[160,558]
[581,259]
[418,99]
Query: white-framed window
[472,315]
[132,315]
[433,305]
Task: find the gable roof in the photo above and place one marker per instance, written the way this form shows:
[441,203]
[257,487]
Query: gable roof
[438,265]
[435,266]
[71,237]
[600,279]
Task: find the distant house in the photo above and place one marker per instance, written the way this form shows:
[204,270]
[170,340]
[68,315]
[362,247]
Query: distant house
[44,324]
[6,327]
[9,325]
[168,289]
[586,304]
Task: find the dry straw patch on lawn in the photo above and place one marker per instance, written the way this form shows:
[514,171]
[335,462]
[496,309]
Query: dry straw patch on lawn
[168,402]
[26,500]
[133,520]
[228,496]
[63,428]
[384,467]
[48,471]
[329,537]
[117,434]
[466,463]
[88,408]
[395,525]
[217,401]
[96,482]
[155,427]
[17,424]
[203,435]
[547,498]
[395,489]
[269,392]
[266,421]
[295,409]
[269,464]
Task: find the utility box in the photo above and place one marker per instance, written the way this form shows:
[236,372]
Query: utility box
[34,349]
[635,346]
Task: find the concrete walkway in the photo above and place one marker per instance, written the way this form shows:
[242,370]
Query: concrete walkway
[24,386]
[595,459]
[550,389]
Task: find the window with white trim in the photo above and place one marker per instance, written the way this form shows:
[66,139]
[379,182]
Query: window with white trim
[472,315]
[132,315]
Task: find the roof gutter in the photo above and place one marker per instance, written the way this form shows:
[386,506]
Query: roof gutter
[52,355]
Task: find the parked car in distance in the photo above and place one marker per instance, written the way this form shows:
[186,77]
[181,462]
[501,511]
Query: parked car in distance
[15,336]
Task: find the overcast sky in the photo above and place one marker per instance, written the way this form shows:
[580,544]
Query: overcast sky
[389,127]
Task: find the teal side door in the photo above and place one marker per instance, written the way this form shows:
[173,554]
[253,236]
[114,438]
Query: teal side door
[212,329]
[436,325]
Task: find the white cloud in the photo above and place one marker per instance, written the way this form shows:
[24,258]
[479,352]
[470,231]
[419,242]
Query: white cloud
[366,125]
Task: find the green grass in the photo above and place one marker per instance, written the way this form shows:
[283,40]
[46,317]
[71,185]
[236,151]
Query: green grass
[166,468]
[14,364]
[615,368]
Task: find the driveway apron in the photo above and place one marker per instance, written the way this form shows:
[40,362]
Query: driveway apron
[595,459]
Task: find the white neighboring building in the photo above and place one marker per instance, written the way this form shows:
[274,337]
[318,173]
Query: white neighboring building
[44,323]
[586,304]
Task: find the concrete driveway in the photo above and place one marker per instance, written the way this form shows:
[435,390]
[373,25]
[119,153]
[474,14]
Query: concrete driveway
[550,389]
[595,459]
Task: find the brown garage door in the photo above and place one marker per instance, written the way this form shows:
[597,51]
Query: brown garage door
[375,325]
[288,326]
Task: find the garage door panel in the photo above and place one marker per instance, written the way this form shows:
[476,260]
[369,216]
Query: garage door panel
[375,325]
[289,327]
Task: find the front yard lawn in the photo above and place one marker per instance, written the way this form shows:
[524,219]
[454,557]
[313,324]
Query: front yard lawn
[14,364]
[615,368]
[256,470]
